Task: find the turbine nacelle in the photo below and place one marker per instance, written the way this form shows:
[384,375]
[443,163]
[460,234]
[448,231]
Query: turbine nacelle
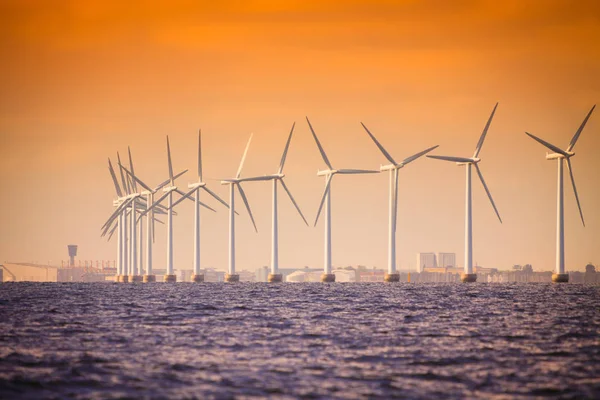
[472,161]
[196,185]
[327,172]
[390,167]
[167,189]
[557,156]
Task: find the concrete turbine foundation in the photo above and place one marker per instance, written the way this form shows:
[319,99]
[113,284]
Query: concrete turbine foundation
[468,278]
[560,278]
[198,278]
[170,278]
[391,277]
[135,278]
[275,278]
[328,278]
[232,278]
[149,278]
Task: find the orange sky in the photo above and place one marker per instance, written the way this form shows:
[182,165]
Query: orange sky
[81,80]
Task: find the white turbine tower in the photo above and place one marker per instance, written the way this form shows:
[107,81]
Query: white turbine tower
[277,178]
[195,189]
[563,155]
[469,275]
[231,276]
[328,276]
[392,275]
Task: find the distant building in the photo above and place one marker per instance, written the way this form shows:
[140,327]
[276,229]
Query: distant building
[446,260]
[369,275]
[246,276]
[212,275]
[426,260]
[262,274]
[344,275]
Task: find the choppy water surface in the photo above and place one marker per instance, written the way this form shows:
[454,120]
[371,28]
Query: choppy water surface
[298,340]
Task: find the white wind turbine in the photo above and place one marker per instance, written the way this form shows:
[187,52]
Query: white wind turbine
[563,155]
[195,189]
[150,206]
[170,276]
[468,275]
[326,199]
[275,276]
[122,203]
[392,275]
[231,276]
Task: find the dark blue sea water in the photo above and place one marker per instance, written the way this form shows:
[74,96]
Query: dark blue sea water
[83,340]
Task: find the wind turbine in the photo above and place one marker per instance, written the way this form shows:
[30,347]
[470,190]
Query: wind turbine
[275,276]
[392,275]
[563,155]
[469,275]
[326,199]
[195,189]
[150,206]
[231,276]
[170,276]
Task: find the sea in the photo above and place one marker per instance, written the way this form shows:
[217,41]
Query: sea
[299,340]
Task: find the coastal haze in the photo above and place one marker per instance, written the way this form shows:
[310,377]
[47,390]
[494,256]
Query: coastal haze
[83,80]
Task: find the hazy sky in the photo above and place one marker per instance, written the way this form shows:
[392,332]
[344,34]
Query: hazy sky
[82,80]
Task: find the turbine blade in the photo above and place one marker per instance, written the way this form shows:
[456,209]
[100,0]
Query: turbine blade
[135,178]
[484,133]
[323,155]
[118,210]
[293,201]
[415,156]
[453,159]
[112,231]
[385,153]
[327,185]
[200,155]
[285,151]
[570,168]
[110,227]
[123,181]
[487,191]
[159,221]
[156,202]
[166,182]
[170,163]
[239,171]
[239,186]
[357,171]
[548,145]
[213,194]
[576,136]
[114,179]
[183,197]
[132,170]
[187,196]
[257,178]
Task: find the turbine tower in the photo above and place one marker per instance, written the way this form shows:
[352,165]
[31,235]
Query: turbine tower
[233,183]
[469,275]
[392,275]
[277,178]
[195,189]
[328,276]
[560,155]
